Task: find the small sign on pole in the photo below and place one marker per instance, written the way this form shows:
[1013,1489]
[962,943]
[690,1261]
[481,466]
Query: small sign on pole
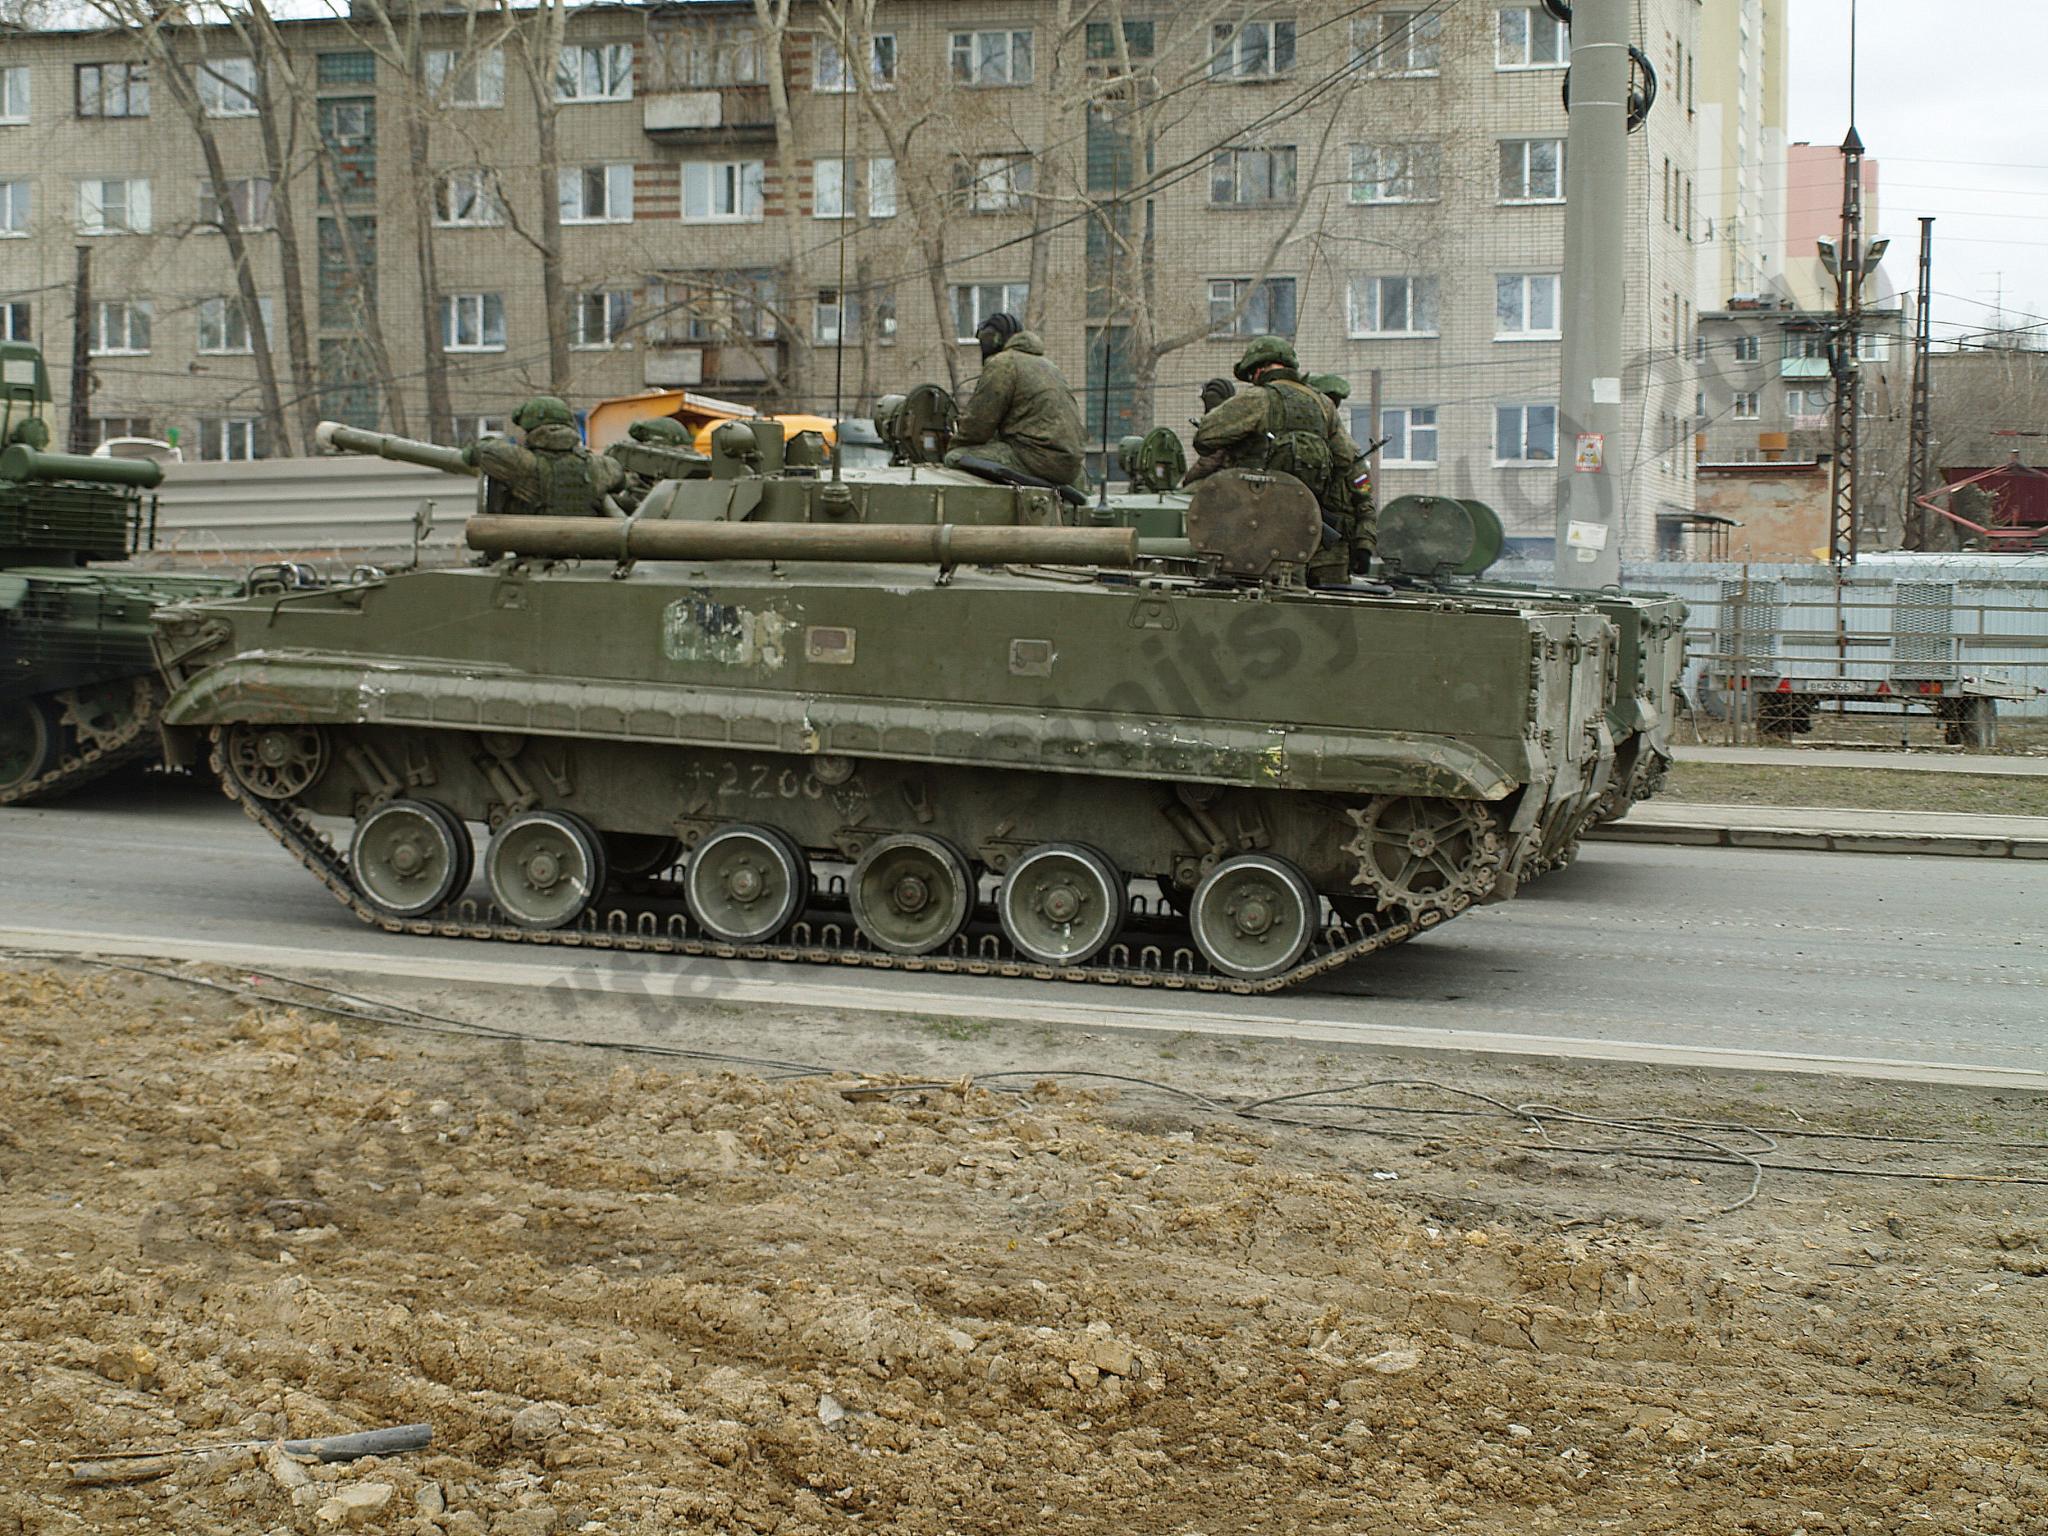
[1592,455]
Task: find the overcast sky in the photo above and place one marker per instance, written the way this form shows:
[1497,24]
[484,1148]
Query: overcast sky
[1948,100]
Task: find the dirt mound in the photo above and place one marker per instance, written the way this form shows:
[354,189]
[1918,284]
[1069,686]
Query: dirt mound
[634,1300]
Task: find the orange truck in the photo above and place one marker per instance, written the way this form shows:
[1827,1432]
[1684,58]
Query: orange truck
[609,419]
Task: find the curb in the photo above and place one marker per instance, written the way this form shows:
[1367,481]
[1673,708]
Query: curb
[1831,840]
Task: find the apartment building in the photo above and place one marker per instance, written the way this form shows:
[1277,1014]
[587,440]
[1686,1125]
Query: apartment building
[1767,396]
[1743,92]
[471,209]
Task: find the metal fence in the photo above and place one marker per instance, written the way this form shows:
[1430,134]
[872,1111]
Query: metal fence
[303,509]
[1919,628]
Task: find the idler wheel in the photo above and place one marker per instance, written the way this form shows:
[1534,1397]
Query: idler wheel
[747,883]
[911,894]
[276,762]
[410,856]
[640,855]
[1253,916]
[545,868]
[1062,903]
[28,743]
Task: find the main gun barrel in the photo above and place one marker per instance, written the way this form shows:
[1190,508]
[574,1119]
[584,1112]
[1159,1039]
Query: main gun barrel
[406,450]
[585,538]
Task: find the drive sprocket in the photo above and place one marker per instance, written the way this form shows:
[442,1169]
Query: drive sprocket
[102,715]
[1424,854]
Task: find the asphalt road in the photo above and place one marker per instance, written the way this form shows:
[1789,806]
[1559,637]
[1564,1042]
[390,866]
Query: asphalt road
[1894,966]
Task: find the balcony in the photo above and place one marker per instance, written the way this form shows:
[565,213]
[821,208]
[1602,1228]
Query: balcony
[727,364]
[718,112]
[1803,368]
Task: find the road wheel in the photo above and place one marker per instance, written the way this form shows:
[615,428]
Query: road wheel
[1062,903]
[747,883]
[911,893]
[1253,916]
[545,868]
[410,856]
[28,743]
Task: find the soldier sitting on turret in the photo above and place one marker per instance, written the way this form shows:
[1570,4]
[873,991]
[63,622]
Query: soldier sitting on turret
[654,449]
[1282,426]
[1022,414]
[549,473]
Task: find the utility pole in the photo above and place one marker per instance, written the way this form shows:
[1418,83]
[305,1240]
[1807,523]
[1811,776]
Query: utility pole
[81,353]
[1914,527]
[1842,360]
[1595,240]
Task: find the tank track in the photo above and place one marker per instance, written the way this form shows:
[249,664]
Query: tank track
[650,930]
[133,741]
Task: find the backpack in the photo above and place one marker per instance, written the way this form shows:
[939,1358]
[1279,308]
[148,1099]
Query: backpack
[1299,437]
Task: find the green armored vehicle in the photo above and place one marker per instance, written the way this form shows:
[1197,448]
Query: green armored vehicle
[908,717]
[78,686]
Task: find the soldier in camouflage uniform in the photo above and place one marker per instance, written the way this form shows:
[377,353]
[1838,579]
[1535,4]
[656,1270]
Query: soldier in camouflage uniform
[655,449]
[1022,414]
[1282,426]
[549,473]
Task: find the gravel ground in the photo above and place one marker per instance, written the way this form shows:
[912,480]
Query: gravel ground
[637,1296]
[1874,789]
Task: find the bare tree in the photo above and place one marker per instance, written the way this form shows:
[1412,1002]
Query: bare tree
[537,37]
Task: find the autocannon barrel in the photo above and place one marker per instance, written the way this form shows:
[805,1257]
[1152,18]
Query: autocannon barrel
[21,462]
[332,434]
[878,544]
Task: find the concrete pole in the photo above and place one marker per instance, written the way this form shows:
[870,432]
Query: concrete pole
[80,425]
[1589,411]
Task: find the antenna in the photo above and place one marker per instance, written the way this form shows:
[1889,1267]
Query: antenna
[1852,63]
[847,183]
[1108,314]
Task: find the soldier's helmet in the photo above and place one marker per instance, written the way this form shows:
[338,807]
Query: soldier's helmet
[660,429]
[1215,392]
[543,411]
[32,433]
[1335,385]
[1263,353]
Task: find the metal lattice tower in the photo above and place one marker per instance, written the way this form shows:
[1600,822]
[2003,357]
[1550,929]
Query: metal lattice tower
[1914,526]
[1842,355]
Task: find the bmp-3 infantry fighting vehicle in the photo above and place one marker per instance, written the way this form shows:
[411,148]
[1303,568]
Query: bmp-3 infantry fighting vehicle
[909,717]
[78,686]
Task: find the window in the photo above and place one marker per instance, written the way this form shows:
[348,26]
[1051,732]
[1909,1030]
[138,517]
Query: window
[831,320]
[113,207]
[711,307]
[224,327]
[466,199]
[227,87]
[1252,178]
[975,302]
[356,66]
[1806,346]
[470,427]
[113,90]
[1748,349]
[14,208]
[1101,40]
[1409,430]
[346,124]
[994,183]
[249,196]
[831,74]
[229,437]
[600,318]
[467,80]
[705,55]
[1258,50]
[1240,306]
[472,322]
[120,327]
[15,315]
[1397,173]
[1873,346]
[1806,407]
[722,191]
[1530,38]
[106,428]
[831,198]
[595,72]
[1532,170]
[1526,306]
[1747,407]
[596,194]
[1398,42]
[992,58]
[1525,434]
[1392,306]
[14,94]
